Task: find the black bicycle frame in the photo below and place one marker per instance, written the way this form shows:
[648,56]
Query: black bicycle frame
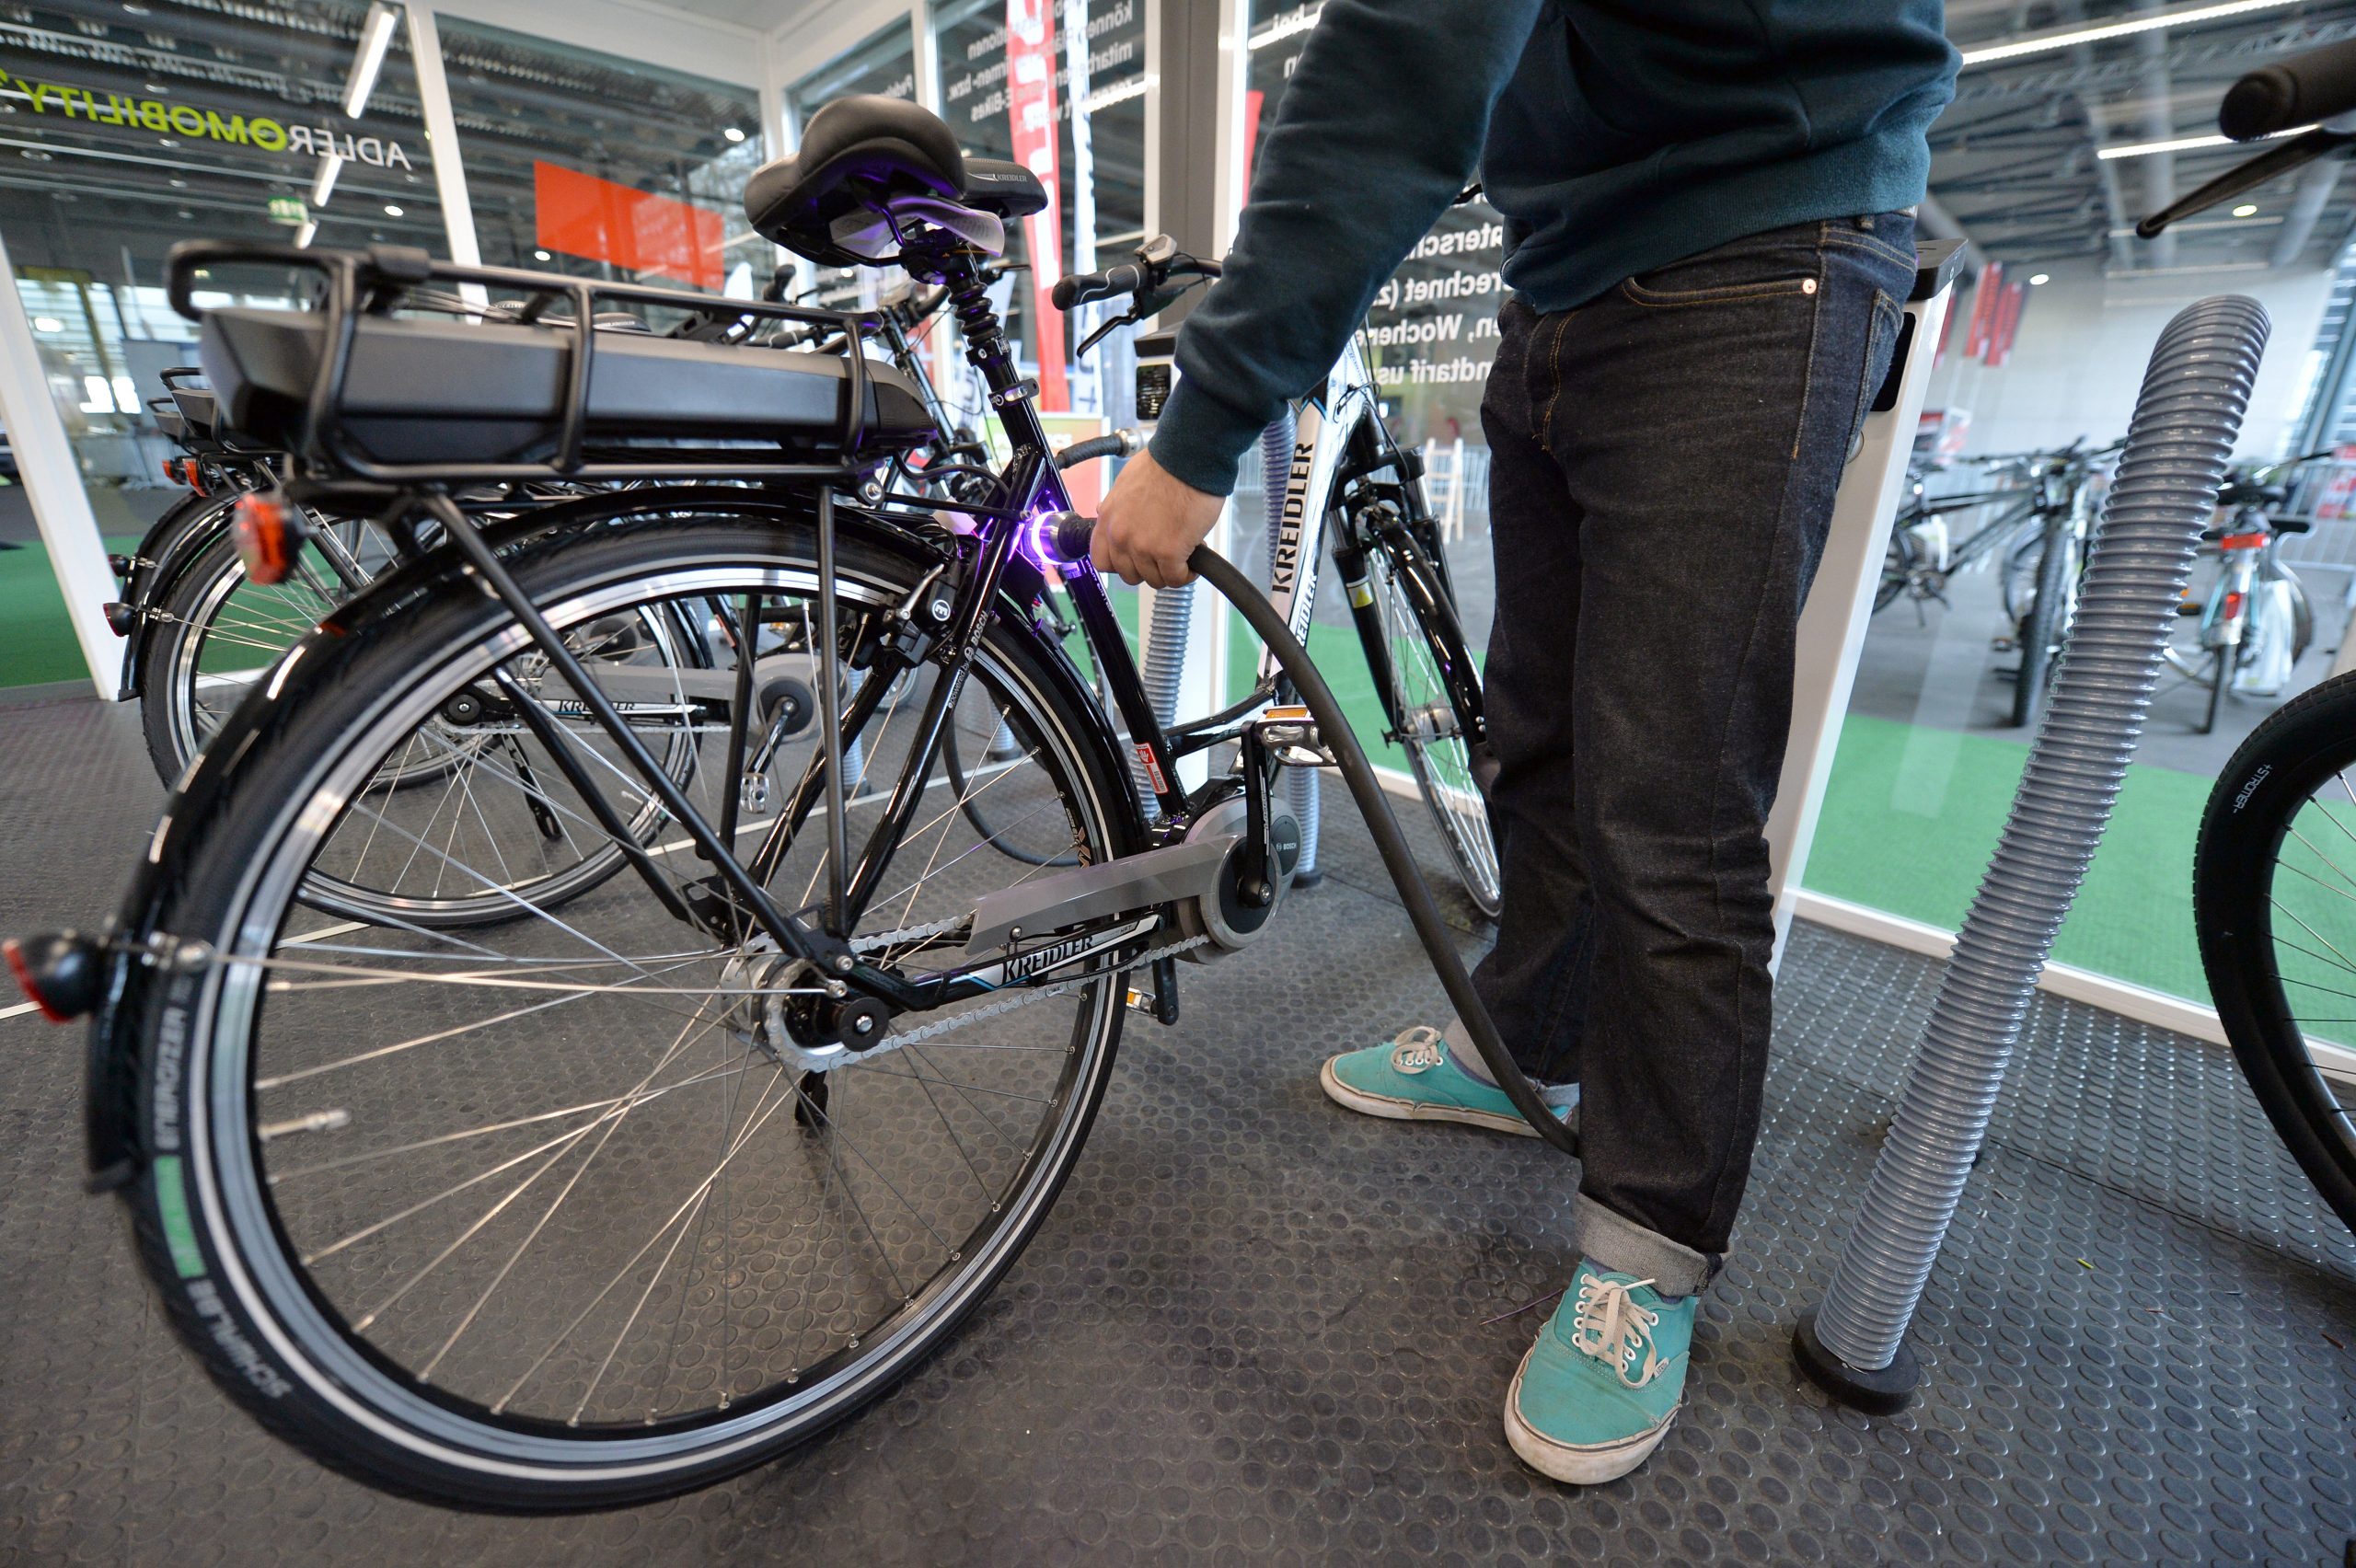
[1030,487]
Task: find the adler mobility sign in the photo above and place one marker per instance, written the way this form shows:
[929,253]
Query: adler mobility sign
[165,117]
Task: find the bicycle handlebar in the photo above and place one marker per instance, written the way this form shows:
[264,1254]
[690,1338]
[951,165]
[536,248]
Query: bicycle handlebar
[2318,85]
[1111,284]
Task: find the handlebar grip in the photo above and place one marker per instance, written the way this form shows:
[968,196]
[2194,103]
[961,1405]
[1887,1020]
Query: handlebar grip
[1064,535]
[2318,85]
[1113,282]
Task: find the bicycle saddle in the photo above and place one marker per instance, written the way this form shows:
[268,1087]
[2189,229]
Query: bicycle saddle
[862,161]
[1003,187]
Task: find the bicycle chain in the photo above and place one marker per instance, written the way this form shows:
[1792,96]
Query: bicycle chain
[916,1037]
[874,939]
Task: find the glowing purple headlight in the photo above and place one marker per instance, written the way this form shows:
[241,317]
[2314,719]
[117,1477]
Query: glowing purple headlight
[1036,542]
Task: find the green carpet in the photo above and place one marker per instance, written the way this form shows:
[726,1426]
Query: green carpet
[36,641]
[1912,816]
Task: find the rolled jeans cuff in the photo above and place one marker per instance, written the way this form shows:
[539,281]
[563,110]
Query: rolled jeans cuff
[1620,1244]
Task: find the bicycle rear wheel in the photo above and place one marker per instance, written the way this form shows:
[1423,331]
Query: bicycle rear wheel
[2274,903]
[564,1216]
[1422,644]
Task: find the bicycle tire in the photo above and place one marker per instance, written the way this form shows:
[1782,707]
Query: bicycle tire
[1420,630]
[1896,568]
[2304,747]
[213,1242]
[2221,670]
[192,614]
[2042,632]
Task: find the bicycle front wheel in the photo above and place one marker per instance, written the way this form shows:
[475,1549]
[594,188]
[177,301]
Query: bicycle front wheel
[1421,646]
[561,1213]
[2274,902]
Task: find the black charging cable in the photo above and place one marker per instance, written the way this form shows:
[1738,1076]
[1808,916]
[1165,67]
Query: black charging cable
[1068,540]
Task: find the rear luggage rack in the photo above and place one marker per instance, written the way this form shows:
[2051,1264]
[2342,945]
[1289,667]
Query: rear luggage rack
[267,368]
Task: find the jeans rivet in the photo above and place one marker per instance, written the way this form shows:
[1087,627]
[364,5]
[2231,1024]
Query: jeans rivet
[1808,285]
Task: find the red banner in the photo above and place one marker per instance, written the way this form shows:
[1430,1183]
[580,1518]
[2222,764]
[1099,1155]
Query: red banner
[1031,105]
[600,221]
[1983,309]
[2002,332]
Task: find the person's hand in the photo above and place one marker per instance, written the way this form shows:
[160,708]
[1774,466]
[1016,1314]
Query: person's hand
[1149,523]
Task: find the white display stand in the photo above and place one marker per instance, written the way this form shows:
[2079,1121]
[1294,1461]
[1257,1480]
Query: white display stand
[1832,623]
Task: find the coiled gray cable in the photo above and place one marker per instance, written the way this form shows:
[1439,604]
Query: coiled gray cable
[2187,418]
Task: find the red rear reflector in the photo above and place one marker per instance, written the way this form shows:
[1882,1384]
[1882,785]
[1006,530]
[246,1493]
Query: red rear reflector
[23,973]
[2233,604]
[2240,541]
[266,543]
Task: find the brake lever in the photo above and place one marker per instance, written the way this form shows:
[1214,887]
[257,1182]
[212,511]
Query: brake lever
[1142,307]
[2268,165]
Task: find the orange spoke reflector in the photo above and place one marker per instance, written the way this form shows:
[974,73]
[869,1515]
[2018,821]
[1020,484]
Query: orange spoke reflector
[268,537]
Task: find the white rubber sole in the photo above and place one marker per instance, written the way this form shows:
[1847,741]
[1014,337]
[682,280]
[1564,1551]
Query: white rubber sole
[1579,1464]
[1394,1110]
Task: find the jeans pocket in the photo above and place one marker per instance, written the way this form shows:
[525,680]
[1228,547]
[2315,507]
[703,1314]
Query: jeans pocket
[1779,264]
[1636,291]
[1881,342]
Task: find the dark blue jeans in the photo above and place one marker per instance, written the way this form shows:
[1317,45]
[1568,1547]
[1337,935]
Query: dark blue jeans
[1664,462]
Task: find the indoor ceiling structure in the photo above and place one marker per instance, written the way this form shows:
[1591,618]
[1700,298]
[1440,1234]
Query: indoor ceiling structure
[2074,117]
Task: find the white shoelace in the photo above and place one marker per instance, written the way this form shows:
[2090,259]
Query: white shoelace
[1418,1050]
[1614,1330]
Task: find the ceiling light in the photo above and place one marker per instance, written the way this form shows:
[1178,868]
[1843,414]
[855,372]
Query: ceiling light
[2037,278]
[330,164]
[392,210]
[304,236]
[375,36]
[2187,145]
[735,132]
[539,256]
[48,324]
[2247,210]
[2041,43]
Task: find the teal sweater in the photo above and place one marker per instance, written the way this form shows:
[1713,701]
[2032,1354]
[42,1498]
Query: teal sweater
[1614,135]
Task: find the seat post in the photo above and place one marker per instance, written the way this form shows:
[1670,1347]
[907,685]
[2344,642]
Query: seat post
[1012,398]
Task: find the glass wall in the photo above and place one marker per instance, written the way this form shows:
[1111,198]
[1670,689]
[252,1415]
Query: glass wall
[2044,356]
[2046,162]
[128,128]
[1429,340]
[884,66]
[125,127]
[580,162]
[1062,91]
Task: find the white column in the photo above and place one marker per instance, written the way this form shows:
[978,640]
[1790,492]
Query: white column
[53,480]
[442,130]
[927,57]
[1832,623]
[1203,687]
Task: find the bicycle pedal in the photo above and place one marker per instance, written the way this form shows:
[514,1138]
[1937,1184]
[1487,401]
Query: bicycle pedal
[1290,733]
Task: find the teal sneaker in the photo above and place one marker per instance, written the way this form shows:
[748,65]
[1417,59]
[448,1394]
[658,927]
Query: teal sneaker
[1595,1393]
[1415,1079]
